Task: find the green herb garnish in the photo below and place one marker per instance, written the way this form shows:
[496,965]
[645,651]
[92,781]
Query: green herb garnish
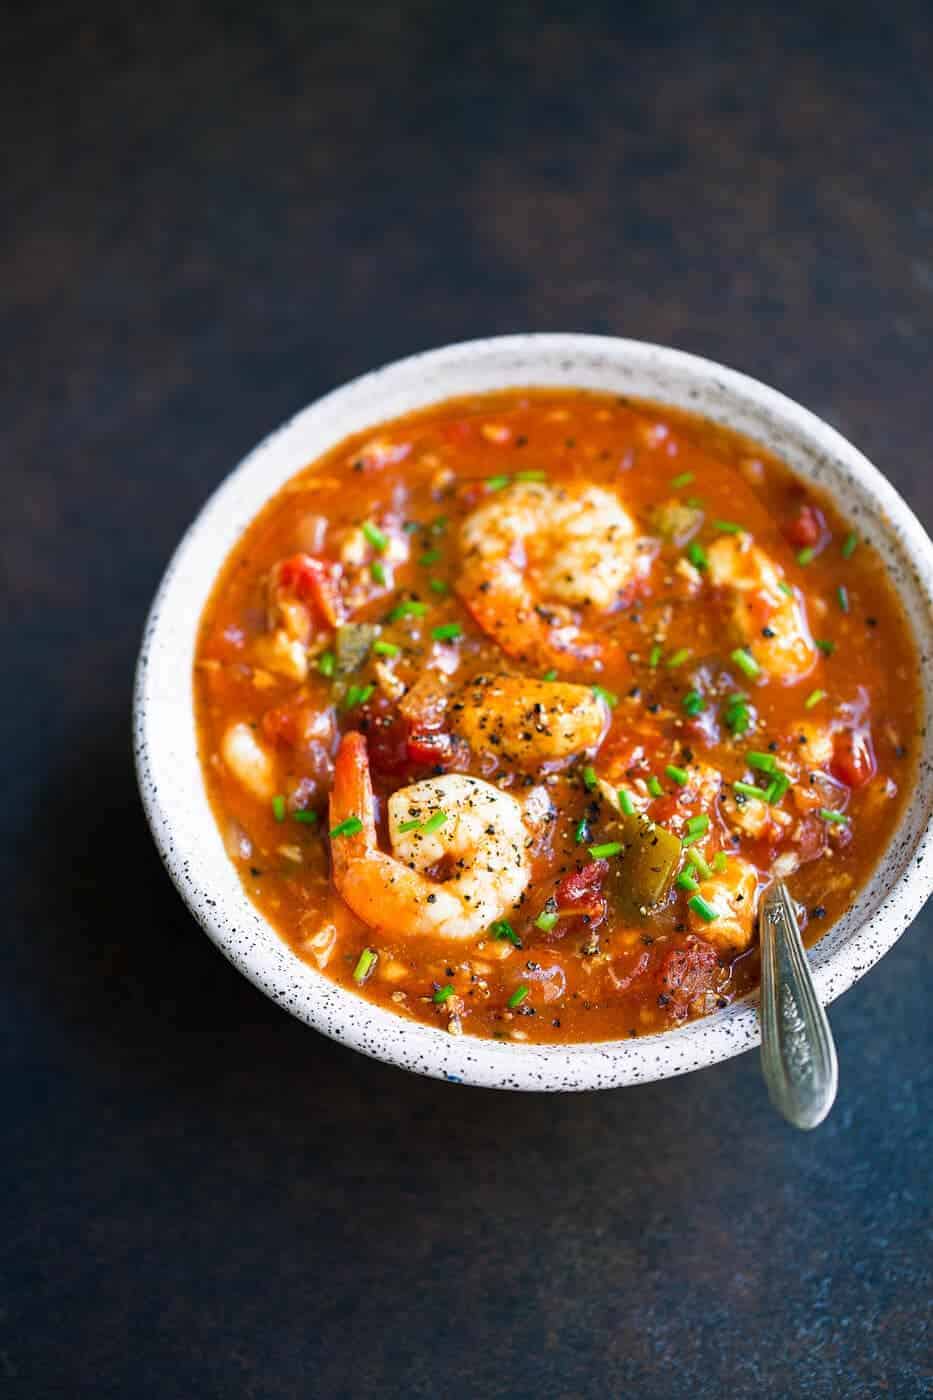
[349,827]
[367,961]
[706,911]
[503,929]
[376,538]
[608,848]
[750,790]
[746,662]
[409,607]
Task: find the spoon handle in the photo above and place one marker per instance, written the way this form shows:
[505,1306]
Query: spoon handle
[798,1057]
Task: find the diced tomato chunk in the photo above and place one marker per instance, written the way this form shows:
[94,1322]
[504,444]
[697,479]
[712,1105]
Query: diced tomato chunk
[435,749]
[580,886]
[313,581]
[387,739]
[284,725]
[807,529]
[686,973]
[853,760]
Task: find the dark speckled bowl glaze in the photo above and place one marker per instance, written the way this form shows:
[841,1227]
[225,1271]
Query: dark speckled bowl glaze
[165,743]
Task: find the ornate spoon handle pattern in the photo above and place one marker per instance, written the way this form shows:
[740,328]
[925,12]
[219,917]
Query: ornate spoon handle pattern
[798,1057]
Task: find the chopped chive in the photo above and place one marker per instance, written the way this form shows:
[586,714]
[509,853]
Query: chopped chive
[720,861]
[626,803]
[654,787]
[608,848]
[842,594]
[764,762]
[827,648]
[582,832]
[691,839]
[814,698]
[697,826]
[503,929]
[430,556]
[377,569]
[697,555]
[750,790]
[533,475]
[655,656]
[546,920]
[786,588]
[518,996]
[738,718]
[706,911]
[680,776]
[278,808]
[684,479]
[693,702]
[306,816]
[439,525]
[830,816]
[443,994]
[447,632]
[699,861]
[849,545]
[386,648]
[777,788]
[728,527]
[678,658]
[589,776]
[357,695]
[550,675]
[602,694]
[348,827]
[497,483]
[375,536]
[806,556]
[438,585]
[367,961]
[746,662]
[412,825]
[686,882]
[409,607]
[434,822]
[327,663]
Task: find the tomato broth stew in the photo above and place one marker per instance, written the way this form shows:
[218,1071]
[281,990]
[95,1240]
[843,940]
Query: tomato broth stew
[510,709]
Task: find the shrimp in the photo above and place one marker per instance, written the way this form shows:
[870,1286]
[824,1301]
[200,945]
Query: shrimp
[536,556]
[529,722]
[733,895]
[769,620]
[482,841]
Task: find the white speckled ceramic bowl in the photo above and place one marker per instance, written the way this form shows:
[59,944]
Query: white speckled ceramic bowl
[166,756]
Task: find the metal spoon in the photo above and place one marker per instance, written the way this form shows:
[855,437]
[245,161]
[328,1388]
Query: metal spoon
[798,1057]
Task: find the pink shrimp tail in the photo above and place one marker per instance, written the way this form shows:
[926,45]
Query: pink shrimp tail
[352,796]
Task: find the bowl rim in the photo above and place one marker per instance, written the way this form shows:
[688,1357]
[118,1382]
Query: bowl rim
[175,800]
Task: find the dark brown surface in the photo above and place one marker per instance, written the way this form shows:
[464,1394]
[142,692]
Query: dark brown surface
[207,222]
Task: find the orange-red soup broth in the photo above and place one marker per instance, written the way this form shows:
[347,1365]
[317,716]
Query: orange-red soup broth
[511,708]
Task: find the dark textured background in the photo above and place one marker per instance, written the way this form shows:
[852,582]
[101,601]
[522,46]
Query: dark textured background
[207,220]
